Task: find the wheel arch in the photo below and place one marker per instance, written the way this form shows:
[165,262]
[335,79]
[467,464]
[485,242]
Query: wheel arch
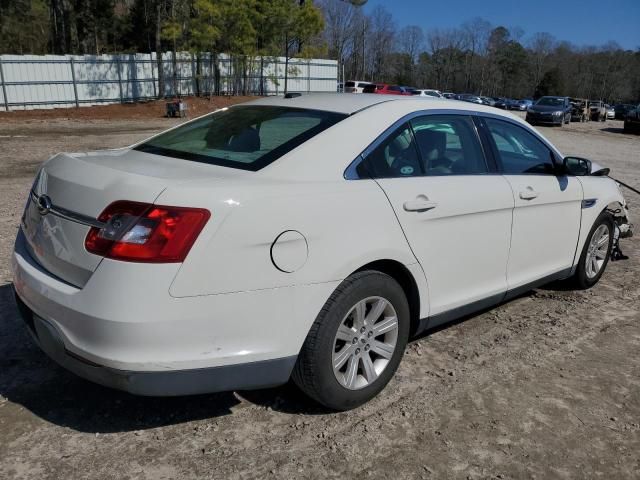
[401,274]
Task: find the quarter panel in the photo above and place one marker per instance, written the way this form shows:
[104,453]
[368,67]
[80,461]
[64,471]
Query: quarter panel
[345,224]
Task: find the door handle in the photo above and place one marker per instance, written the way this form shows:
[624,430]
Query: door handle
[529,194]
[420,204]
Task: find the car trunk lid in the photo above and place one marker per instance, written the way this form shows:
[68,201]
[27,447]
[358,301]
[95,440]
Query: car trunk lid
[71,191]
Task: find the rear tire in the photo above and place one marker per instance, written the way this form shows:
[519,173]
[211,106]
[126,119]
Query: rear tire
[354,348]
[595,253]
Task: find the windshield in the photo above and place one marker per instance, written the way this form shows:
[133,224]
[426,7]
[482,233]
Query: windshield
[245,137]
[551,101]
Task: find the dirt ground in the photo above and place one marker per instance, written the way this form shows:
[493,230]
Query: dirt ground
[152,109]
[545,386]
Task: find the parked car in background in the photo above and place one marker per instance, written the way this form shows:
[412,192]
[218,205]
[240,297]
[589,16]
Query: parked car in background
[505,103]
[427,93]
[260,243]
[384,89]
[597,111]
[355,86]
[550,110]
[488,101]
[467,97]
[579,110]
[522,105]
[611,113]
[621,110]
[448,95]
[632,120]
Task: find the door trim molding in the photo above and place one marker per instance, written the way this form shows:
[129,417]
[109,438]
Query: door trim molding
[448,316]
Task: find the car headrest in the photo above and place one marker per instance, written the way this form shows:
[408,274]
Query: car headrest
[432,144]
[246,141]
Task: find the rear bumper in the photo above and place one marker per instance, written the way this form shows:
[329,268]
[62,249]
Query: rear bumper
[263,374]
[124,330]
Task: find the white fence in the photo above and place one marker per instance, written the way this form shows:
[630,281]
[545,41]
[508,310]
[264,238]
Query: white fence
[50,81]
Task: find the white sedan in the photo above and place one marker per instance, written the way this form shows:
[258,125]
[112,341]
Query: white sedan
[428,93]
[305,238]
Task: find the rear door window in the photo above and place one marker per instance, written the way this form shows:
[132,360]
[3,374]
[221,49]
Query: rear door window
[427,146]
[448,145]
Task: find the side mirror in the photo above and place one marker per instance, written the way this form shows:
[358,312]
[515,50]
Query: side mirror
[577,166]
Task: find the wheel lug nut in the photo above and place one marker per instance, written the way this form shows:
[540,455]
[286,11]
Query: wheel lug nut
[369,334]
[355,340]
[362,330]
[357,351]
[366,347]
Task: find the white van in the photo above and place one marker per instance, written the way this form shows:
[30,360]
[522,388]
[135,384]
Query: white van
[355,86]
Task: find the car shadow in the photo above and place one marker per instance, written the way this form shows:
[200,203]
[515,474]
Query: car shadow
[30,379]
[614,130]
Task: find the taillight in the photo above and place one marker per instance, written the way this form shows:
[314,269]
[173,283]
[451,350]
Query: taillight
[140,232]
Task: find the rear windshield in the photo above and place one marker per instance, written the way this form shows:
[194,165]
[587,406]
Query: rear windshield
[245,137]
[350,84]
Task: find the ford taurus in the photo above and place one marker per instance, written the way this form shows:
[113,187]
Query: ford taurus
[305,238]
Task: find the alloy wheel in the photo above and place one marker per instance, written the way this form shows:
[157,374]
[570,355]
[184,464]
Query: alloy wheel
[365,342]
[597,251]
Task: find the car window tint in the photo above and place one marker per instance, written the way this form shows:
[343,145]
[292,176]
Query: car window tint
[448,145]
[245,137]
[520,151]
[395,156]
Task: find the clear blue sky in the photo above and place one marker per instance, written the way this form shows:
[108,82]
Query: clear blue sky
[582,22]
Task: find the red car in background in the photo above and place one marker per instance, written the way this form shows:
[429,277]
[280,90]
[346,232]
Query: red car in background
[384,89]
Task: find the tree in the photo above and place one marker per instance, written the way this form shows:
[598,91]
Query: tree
[476,38]
[541,47]
[380,38]
[551,84]
[293,24]
[205,29]
[410,44]
[14,37]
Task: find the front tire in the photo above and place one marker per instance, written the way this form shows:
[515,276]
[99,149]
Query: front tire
[356,343]
[595,253]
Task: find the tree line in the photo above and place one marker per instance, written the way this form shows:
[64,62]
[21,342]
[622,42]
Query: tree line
[476,57]
[243,29]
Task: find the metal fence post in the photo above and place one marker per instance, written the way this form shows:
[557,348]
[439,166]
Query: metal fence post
[153,76]
[73,80]
[119,77]
[4,88]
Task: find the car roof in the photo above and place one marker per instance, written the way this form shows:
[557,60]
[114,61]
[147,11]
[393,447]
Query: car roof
[346,103]
[350,103]
[369,116]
